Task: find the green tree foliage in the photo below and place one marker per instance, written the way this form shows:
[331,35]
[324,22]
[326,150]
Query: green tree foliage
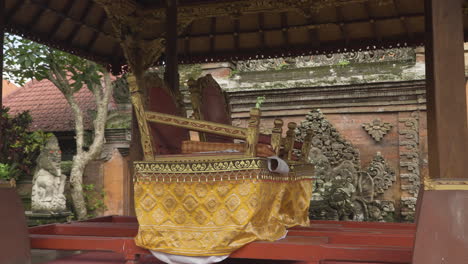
[19,148]
[25,60]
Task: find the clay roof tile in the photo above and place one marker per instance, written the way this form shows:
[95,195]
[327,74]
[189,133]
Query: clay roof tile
[48,107]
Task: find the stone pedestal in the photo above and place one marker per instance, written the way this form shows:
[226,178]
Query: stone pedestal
[35,219]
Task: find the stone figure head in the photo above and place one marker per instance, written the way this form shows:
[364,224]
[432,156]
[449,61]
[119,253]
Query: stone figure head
[50,156]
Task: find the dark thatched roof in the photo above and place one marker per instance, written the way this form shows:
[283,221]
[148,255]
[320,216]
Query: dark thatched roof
[228,29]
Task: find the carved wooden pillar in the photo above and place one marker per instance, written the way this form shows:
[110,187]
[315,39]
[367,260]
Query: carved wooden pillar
[290,139]
[139,110]
[195,98]
[253,130]
[442,236]
[276,136]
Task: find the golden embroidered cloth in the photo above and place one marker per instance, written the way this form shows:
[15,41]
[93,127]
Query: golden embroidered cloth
[215,205]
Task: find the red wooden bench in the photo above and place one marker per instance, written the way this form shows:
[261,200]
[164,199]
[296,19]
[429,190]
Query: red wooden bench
[324,242]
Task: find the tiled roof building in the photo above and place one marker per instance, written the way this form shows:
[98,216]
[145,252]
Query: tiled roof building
[8,87]
[48,106]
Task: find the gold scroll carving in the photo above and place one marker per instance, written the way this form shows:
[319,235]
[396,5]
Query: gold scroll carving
[445,185]
[8,184]
[198,125]
[137,101]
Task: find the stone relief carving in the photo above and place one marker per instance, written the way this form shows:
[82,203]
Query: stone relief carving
[382,175]
[377,129]
[343,190]
[409,164]
[326,60]
[48,181]
[327,139]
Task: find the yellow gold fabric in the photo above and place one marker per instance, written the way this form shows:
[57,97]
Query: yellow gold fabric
[216,212]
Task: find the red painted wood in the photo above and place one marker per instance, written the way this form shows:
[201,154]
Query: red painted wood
[360,238]
[377,225]
[322,241]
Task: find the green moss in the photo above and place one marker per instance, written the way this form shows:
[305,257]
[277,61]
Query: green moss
[66,166]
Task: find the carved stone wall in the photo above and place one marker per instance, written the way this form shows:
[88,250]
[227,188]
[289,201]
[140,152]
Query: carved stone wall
[343,189]
[343,59]
[410,167]
[384,184]
[351,90]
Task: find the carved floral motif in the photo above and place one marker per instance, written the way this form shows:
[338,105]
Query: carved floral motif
[377,129]
[382,175]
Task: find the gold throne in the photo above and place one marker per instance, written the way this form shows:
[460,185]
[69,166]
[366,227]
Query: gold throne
[212,202]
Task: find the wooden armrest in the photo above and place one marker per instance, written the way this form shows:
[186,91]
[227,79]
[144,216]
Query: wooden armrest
[263,150]
[197,125]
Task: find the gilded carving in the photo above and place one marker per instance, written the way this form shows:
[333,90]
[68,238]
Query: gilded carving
[8,184]
[444,184]
[137,101]
[377,129]
[214,169]
[198,125]
[290,139]
[253,131]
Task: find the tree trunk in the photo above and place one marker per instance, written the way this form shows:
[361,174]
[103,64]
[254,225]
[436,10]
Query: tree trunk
[102,96]
[76,182]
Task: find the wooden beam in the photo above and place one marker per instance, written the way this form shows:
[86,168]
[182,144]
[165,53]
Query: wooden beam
[447,120]
[309,25]
[102,21]
[261,26]
[14,10]
[171,75]
[284,23]
[63,15]
[342,24]
[77,27]
[236,34]
[59,21]
[403,20]
[187,31]
[376,33]
[212,32]
[313,33]
[38,15]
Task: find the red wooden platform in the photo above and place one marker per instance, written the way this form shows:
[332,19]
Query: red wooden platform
[324,242]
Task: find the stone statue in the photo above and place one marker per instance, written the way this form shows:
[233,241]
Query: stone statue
[48,180]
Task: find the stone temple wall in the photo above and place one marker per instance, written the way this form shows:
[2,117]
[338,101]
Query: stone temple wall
[372,105]
[401,151]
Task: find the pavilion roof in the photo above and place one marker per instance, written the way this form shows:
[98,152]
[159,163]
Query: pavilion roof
[48,107]
[222,30]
